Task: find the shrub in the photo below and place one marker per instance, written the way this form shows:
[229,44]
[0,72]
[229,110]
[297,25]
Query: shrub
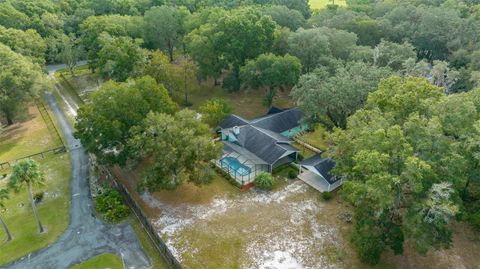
[110,204]
[326,196]
[475,220]
[264,181]
[300,157]
[292,174]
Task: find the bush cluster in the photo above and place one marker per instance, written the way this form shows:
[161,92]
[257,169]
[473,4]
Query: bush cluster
[292,174]
[264,181]
[111,206]
[326,196]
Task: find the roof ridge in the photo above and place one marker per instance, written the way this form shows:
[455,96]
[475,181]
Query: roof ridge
[240,117]
[265,131]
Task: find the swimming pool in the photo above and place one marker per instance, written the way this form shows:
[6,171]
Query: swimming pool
[236,166]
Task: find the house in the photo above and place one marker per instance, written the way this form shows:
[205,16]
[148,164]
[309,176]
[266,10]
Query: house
[259,145]
[315,171]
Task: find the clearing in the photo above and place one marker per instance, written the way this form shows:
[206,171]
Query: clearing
[246,103]
[320,4]
[217,226]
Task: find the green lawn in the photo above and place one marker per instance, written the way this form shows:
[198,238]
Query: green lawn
[25,138]
[246,103]
[319,4]
[104,261]
[157,261]
[53,211]
[317,138]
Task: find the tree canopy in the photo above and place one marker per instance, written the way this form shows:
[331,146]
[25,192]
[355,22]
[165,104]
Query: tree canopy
[120,56]
[271,72]
[180,148]
[331,98]
[28,43]
[164,27]
[19,80]
[104,125]
[407,165]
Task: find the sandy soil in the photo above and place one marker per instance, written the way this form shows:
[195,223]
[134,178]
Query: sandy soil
[216,226]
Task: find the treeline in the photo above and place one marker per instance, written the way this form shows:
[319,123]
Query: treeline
[215,39]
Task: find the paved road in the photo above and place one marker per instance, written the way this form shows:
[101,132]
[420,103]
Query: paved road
[86,236]
[55,67]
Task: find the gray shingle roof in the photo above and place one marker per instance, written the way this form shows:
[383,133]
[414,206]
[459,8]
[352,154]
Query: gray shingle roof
[261,136]
[280,138]
[259,143]
[229,147]
[323,166]
[280,122]
[232,121]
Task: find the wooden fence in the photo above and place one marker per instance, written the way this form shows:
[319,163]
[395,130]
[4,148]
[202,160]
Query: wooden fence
[307,145]
[160,246]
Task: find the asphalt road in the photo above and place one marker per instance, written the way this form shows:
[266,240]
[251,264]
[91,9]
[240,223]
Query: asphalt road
[86,236]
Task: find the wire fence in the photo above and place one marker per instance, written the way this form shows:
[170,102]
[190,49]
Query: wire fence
[41,155]
[47,118]
[159,244]
[54,133]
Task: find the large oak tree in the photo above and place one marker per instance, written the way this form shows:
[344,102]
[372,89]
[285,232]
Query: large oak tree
[180,148]
[104,124]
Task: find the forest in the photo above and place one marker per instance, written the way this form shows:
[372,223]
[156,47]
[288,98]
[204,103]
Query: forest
[396,84]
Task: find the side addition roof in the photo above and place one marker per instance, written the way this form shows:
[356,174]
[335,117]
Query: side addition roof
[322,165]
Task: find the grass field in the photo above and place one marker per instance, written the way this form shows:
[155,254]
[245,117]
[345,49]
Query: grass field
[246,103]
[317,138]
[157,260]
[25,138]
[104,261]
[319,4]
[53,211]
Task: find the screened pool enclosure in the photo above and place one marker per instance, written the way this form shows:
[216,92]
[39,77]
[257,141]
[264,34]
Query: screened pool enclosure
[242,165]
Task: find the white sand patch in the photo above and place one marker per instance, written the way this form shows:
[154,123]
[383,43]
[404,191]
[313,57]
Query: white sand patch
[293,238]
[280,260]
[299,242]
